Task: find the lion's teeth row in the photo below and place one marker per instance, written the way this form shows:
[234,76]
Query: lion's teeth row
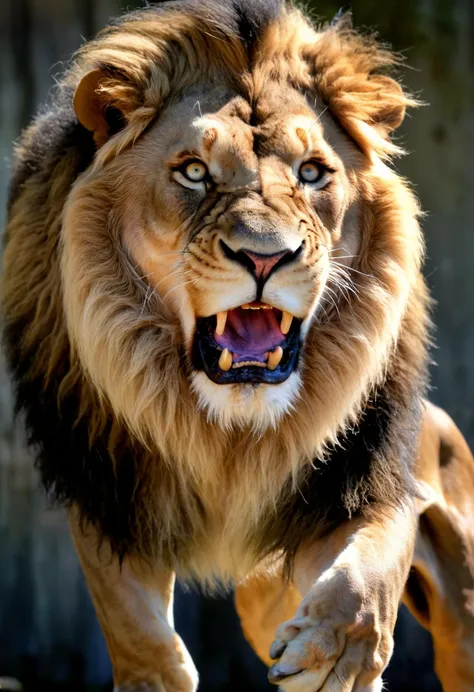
[252,306]
[274,359]
[285,325]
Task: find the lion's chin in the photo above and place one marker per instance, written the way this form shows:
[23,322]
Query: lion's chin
[246,405]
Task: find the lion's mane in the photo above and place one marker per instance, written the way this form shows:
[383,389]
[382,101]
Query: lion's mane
[128,443]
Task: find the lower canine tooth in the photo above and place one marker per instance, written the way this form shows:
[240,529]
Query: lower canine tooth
[274,358]
[221,320]
[225,360]
[286,320]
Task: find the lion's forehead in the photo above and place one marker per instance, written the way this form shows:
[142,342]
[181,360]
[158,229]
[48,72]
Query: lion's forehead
[245,144]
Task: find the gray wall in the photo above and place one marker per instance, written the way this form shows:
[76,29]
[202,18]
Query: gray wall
[46,625]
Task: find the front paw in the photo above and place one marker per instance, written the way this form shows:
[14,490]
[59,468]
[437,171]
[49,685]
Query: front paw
[340,639]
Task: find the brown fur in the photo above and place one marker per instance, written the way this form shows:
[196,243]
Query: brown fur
[109,262]
[111,337]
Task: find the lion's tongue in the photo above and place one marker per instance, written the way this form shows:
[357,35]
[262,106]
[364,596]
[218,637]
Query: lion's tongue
[250,334]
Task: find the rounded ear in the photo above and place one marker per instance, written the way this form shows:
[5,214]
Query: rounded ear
[93,110]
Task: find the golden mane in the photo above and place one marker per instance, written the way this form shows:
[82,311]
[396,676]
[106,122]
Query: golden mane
[80,335]
[148,59]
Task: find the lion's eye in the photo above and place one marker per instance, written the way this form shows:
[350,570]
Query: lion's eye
[310,172]
[195,171]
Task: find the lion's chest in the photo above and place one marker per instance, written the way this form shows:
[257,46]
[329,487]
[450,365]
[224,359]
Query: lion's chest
[221,525]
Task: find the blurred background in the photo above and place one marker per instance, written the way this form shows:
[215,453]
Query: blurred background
[49,638]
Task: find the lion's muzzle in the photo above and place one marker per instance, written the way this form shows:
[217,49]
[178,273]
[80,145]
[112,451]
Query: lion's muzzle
[254,342]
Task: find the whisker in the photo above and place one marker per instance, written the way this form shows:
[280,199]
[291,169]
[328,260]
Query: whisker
[334,259]
[170,276]
[351,269]
[145,301]
[318,119]
[342,268]
[332,299]
[148,296]
[191,281]
[164,254]
[145,276]
[345,288]
[199,107]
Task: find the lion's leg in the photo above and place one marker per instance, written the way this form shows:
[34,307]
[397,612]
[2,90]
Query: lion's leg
[440,590]
[439,593]
[341,638]
[263,602]
[134,606]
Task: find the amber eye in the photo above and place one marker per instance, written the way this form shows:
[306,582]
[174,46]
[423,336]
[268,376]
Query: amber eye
[310,172]
[195,171]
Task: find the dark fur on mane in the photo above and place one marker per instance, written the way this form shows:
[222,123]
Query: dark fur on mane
[371,466]
[245,19]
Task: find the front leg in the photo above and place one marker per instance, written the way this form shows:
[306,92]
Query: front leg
[341,638]
[134,604]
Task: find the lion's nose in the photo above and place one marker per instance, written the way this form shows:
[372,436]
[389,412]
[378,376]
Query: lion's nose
[261,265]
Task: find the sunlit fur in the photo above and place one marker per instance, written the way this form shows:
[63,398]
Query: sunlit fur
[110,288]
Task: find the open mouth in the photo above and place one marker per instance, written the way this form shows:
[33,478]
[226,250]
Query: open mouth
[251,343]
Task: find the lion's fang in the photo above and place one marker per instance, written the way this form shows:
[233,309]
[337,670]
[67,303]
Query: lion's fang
[286,320]
[221,322]
[225,360]
[274,358]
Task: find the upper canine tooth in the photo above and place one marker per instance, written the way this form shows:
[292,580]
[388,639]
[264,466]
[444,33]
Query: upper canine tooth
[274,358]
[286,320]
[225,360]
[221,320]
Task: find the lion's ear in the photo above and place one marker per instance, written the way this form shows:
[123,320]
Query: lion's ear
[93,108]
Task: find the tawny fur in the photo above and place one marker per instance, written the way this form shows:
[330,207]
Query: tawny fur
[74,280]
[439,589]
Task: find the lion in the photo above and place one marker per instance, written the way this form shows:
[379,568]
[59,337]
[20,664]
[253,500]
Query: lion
[218,330]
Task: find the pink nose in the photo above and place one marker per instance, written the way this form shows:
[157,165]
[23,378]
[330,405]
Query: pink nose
[259,264]
[264,263]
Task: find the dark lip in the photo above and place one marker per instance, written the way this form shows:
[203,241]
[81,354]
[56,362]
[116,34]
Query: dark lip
[206,353]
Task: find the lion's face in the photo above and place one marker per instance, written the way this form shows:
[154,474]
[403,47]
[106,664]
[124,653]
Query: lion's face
[236,226]
[238,244]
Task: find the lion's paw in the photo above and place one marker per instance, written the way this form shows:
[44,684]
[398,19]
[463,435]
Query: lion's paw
[336,643]
[159,684]
[177,673]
